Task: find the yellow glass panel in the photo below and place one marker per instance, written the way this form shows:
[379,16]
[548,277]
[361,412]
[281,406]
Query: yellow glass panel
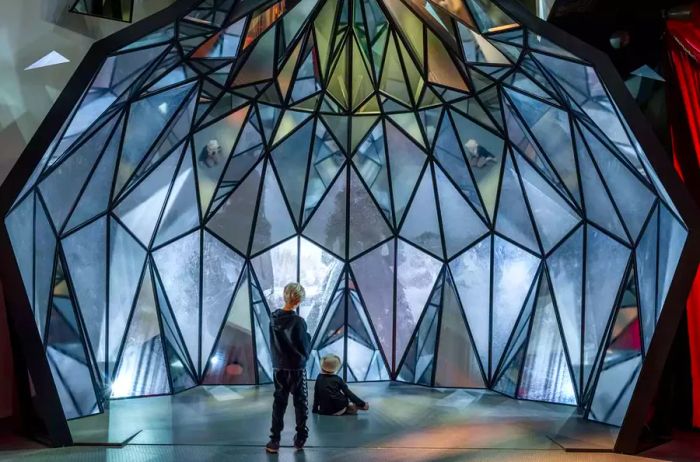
[324,25]
[410,25]
[362,85]
[393,81]
[290,121]
[338,86]
[415,81]
[360,127]
[441,67]
[287,72]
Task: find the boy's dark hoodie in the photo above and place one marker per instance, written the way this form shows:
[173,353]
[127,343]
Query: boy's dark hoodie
[290,343]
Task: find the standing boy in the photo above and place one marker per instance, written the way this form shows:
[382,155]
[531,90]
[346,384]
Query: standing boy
[290,345]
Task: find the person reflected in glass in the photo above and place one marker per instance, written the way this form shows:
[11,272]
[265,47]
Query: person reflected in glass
[478,155]
[290,345]
[331,394]
[210,154]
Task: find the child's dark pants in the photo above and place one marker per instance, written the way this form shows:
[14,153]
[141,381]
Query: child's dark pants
[286,382]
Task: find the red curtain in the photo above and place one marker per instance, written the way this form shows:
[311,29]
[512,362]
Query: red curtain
[684,120]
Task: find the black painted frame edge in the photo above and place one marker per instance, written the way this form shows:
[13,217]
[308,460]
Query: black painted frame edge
[647,384]
[19,313]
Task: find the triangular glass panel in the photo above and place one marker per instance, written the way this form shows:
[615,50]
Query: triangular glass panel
[233,359]
[472,276]
[513,218]
[95,197]
[484,152]
[291,158]
[327,225]
[371,163]
[274,269]
[514,271]
[44,263]
[606,260]
[418,360]
[488,16]
[126,262]
[212,148]
[449,155]
[461,225]
[182,285]
[142,366]
[622,358]
[257,65]
[552,214]
[326,160]
[140,210]
[519,338]
[457,363]
[153,112]
[614,390]
[65,349]
[319,271]
[171,332]
[261,322]
[62,186]
[632,197]
[221,268]
[374,273]
[421,226]
[406,161]
[273,223]
[20,229]
[86,257]
[546,375]
[646,262]
[181,212]
[598,205]
[234,219]
[565,267]
[415,278]
[367,226]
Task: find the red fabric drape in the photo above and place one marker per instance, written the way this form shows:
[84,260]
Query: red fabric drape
[684,58]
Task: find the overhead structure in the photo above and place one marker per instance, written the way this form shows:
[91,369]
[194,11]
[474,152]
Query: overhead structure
[461,198]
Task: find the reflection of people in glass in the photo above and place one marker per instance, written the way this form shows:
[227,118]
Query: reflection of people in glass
[478,155]
[210,154]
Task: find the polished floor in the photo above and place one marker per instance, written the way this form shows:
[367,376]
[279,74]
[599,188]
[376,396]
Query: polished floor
[401,416]
[406,423]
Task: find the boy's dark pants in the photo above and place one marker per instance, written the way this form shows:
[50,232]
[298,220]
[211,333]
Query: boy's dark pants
[286,382]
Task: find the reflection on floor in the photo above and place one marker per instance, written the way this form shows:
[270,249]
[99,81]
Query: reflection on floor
[151,453]
[401,416]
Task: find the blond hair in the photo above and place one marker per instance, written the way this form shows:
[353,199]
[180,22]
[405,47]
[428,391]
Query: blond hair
[294,293]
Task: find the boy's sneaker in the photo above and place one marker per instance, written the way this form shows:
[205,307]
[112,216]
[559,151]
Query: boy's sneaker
[272,447]
[299,442]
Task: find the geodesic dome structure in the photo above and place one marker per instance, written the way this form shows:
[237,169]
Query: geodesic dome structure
[461,198]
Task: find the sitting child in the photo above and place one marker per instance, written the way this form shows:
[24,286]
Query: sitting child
[331,394]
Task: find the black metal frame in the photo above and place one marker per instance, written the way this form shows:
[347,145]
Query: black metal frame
[94,15]
[18,306]
[631,431]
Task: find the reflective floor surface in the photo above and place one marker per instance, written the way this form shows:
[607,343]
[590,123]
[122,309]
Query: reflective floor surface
[401,416]
[406,423]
